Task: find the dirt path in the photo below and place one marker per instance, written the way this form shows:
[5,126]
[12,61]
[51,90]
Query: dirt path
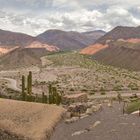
[113,126]
[113,95]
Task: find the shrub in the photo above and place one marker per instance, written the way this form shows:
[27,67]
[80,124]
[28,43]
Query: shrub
[103,93]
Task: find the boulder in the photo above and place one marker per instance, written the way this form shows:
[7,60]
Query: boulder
[77,108]
[82,116]
[72,120]
[93,109]
[95,124]
[89,111]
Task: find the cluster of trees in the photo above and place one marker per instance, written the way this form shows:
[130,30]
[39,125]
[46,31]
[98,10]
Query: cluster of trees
[52,98]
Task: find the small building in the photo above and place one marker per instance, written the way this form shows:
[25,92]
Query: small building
[74,98]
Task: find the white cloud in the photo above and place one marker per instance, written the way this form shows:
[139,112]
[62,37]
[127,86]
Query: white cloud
[34,17]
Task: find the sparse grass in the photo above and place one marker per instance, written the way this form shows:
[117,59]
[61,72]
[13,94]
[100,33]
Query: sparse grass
[71,59]
[103,93]
[89,73]
[133,86]
[117,88]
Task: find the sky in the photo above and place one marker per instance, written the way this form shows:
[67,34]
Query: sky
[36,16]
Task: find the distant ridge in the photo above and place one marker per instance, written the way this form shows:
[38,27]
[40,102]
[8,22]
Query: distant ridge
[61,39]
[120,32]
[8,38]
[70,40]
[120,47]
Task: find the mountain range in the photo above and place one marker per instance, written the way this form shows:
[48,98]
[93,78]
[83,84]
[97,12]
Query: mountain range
[120,47]
[60,39]
[18,49]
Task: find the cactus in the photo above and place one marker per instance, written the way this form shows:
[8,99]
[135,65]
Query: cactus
[56,98]
[23,88]
[50,94]
[27,95]
[54,92]
[43,97]
[29,83]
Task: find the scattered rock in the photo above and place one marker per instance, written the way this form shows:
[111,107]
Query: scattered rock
[87,129]
[112,130]
[77,108]
[89,111]
[109,104]
[79,132]
[94,109]
[72,120]
[106,101]
[90,104]
[123,123]
[95,124]
[133,124]
[82,116]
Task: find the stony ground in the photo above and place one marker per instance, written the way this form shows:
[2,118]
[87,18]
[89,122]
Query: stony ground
[109,124]
[71,71]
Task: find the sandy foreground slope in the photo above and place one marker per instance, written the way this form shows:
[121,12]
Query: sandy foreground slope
[30,121]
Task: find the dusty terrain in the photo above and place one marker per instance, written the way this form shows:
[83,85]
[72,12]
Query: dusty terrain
[22,120]
[108,124]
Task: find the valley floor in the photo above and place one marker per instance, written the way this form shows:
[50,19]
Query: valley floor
[108,124]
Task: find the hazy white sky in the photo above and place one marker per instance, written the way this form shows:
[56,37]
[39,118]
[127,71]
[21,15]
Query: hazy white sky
[35,16]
